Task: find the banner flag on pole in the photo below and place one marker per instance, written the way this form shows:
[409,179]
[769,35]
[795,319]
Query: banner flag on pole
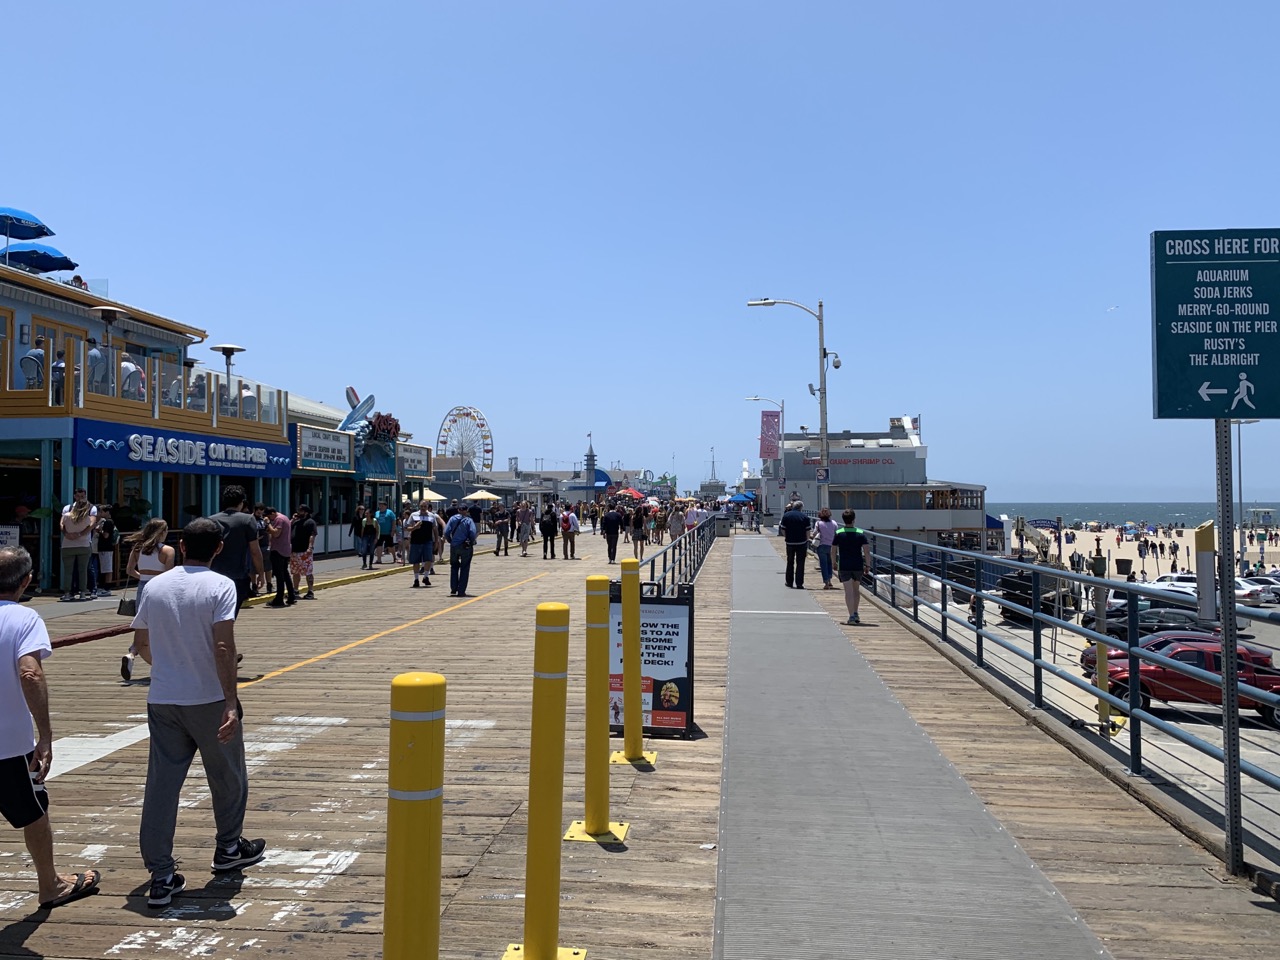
[769,434]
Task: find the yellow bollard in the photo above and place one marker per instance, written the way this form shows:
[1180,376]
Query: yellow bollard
[415,810]
[633,751]
[546,790]
[596,828]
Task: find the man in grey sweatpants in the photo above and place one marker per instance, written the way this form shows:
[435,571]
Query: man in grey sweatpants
[185,628]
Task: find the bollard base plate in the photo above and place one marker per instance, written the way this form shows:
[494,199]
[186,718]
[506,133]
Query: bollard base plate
[515,951]
[617,833]
[647,758]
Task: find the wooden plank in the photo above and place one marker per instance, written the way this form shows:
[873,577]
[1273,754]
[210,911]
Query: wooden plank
[316,744]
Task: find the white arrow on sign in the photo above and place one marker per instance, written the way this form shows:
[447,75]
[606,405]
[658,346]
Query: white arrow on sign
[1205,391]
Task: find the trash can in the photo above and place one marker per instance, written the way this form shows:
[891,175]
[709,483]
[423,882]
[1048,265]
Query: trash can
[723,525]
[1124,566]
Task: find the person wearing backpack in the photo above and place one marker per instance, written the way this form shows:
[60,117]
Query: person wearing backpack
[569,528]
[547,526]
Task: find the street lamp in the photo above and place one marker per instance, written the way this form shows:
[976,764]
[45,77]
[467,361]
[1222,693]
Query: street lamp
[824,445]
[1240,488]
[782,441]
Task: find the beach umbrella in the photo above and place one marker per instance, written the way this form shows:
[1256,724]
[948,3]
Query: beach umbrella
[482,495]
[426,493]
[631,492]
[39,257]
[20,225]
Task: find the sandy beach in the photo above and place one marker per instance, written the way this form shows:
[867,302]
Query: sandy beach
[1086,543]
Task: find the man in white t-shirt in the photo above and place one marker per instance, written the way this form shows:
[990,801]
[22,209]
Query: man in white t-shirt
[422,542]
[24,758]
[185,628]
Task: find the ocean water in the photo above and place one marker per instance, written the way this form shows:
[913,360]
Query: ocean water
[1155,514]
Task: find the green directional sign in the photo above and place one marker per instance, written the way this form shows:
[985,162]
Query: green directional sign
[1215,316]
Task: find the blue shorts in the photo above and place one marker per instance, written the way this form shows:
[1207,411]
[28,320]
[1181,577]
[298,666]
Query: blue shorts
[422,552]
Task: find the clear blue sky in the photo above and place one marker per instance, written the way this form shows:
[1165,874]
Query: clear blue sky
[556,212]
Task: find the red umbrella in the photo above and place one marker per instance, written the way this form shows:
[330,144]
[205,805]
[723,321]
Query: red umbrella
[631,492]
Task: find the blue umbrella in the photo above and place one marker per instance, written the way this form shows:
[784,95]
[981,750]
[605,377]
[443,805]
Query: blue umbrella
[20,225]
[39,257]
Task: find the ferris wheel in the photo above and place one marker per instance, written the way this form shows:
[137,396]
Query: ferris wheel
[464,432]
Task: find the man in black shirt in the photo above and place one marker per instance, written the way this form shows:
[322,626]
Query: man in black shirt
[610,526]
[239,544]
[302,541]
[795,527]
[853,559]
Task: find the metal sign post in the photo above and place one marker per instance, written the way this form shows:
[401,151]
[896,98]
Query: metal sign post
[1230,673]
[1215,318]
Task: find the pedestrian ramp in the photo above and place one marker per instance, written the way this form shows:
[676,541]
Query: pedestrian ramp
[844,832]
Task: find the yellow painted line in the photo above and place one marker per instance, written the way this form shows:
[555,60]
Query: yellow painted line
[386,633]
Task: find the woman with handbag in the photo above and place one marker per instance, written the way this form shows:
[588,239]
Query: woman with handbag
[149,557]
[824,535]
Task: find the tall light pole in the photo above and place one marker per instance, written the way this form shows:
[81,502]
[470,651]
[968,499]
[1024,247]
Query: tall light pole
[824,445]
[1240,488]
[782,449]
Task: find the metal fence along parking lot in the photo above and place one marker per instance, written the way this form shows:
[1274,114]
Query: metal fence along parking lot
[1023,625]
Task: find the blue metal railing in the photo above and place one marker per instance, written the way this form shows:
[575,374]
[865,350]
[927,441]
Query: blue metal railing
[978,578]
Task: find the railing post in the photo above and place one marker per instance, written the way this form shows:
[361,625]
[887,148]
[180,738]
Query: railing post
[875,582]
[915,585]
[1037,649]
[977,611]
[893,578]
[1135,691]
[415,812]
[945,590]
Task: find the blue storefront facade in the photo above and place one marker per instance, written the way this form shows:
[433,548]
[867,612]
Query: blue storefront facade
[105,396]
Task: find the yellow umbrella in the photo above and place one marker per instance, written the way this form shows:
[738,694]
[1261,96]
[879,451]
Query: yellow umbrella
[481,495]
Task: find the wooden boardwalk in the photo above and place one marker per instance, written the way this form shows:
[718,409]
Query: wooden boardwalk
[315,691]
[316,680]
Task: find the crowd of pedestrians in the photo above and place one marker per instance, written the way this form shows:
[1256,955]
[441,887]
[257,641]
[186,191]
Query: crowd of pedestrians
[843,551]
[184,628]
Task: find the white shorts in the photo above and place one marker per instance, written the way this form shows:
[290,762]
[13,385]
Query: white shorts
[106,561]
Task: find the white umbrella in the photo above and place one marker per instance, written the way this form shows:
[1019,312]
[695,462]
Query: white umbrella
[481,495]
[426,494]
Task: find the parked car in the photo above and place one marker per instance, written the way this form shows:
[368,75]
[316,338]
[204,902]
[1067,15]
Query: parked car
[1161,682]
[1158,641]
[1270,587]
[1149,621]
[1172,579]
[1248,594]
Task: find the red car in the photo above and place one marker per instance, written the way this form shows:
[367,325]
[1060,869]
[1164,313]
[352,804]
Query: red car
[1156,643]
[1164,683]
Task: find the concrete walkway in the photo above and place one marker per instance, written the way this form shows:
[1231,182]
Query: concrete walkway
[844,831]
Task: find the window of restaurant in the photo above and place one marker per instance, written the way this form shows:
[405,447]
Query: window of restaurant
[342,499]
[309,491]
